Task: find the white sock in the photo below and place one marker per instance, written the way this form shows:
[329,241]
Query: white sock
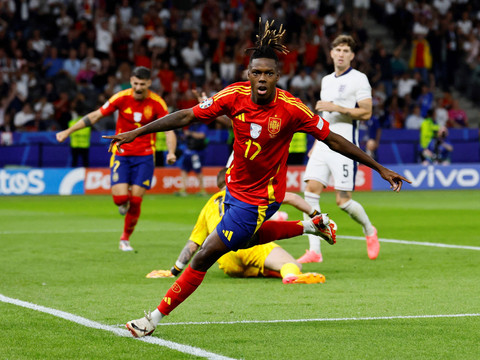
[314,201]
[357,213]
[156,316]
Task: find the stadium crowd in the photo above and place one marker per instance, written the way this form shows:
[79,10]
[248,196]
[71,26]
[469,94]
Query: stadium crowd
[59,59]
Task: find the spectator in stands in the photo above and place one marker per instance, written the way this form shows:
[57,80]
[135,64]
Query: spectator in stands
[425,100]
[72,65]
[194,142]
[24,120]
[39,44]
[64,22]
[193,58]
[442,6]
[103,39]
[360,8]
[158,43]
[457,117]
[45,111]
[439,149]
[440,114]
[452,54]
[52,64]
[415,119]
[374,133]
[302,85]
[5,115]
[227,68]
[382,63]
[137,32]
[420,56]
[90,59]
[405,84]
[62,110]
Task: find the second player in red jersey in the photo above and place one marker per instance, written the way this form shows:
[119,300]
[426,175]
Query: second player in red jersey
[133,114]
[131,168]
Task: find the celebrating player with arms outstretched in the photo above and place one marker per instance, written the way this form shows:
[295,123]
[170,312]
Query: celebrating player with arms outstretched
[264,121]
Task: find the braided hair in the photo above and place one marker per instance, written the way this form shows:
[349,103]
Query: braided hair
[268,42]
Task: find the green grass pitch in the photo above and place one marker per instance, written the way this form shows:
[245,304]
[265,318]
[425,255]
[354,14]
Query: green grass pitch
[62,253]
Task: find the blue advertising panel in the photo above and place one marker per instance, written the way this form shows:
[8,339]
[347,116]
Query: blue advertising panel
[42,181]
[433,177]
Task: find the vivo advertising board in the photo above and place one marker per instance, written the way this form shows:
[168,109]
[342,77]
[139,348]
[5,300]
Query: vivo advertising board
[168,180]
[458,176]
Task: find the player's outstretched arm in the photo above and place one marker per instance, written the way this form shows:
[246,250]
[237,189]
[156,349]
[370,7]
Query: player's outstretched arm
[87,120]
[343,146]
[171,139]
[171,121]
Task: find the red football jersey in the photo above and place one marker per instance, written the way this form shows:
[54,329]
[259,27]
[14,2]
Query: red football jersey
[133,114]
[262,137]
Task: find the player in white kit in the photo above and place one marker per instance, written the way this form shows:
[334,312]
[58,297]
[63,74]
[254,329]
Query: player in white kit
[346,97]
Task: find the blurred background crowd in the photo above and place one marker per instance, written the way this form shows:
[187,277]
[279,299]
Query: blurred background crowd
[64,58]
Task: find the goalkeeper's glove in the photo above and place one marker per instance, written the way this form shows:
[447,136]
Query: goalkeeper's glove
[177,268]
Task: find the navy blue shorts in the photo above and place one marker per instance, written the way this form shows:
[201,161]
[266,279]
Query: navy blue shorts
[241,221]
[190,161]
[132,170]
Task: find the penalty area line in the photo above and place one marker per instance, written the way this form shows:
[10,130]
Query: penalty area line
[321,319]
[406,242]
[186,349]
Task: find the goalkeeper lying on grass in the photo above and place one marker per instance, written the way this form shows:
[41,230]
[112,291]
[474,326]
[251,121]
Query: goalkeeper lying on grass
[265,260]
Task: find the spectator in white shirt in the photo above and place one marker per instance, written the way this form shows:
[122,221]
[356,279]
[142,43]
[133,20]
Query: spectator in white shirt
[104,39]
[415,119]
[192,57]
[24,118]
[405,84]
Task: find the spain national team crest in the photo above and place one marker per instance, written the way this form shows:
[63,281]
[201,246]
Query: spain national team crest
[148,111]
[274,125]
[255,130]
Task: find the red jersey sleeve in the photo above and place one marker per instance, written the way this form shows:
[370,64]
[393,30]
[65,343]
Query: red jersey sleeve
[310,123]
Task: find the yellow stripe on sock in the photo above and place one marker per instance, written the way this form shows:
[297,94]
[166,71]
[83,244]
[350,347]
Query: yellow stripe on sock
[290,269]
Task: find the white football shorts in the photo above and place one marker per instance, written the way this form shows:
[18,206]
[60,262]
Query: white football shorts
[325,164]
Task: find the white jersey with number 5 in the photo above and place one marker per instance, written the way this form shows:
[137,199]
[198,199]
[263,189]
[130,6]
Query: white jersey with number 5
[345,90]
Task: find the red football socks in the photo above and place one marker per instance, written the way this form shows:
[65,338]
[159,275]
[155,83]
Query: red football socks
[132,217]
[186,284]
[120,199]
[276,230]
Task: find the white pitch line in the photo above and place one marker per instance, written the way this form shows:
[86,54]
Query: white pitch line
[407,242]
[187,349]
[320,319]
[361,238]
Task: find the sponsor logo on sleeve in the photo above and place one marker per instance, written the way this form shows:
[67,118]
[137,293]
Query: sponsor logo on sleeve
[206,103]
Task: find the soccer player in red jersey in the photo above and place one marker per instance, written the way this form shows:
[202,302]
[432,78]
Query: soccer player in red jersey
[264,121]
[131,168]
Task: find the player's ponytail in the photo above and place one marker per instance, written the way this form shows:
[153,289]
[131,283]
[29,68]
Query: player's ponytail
[268,42]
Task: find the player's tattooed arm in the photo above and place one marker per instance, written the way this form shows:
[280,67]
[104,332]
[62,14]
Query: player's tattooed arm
[184,258]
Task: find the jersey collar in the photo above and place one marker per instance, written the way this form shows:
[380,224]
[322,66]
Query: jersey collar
[345,73]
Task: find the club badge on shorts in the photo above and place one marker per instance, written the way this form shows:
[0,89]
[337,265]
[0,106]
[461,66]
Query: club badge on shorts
[255,130]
